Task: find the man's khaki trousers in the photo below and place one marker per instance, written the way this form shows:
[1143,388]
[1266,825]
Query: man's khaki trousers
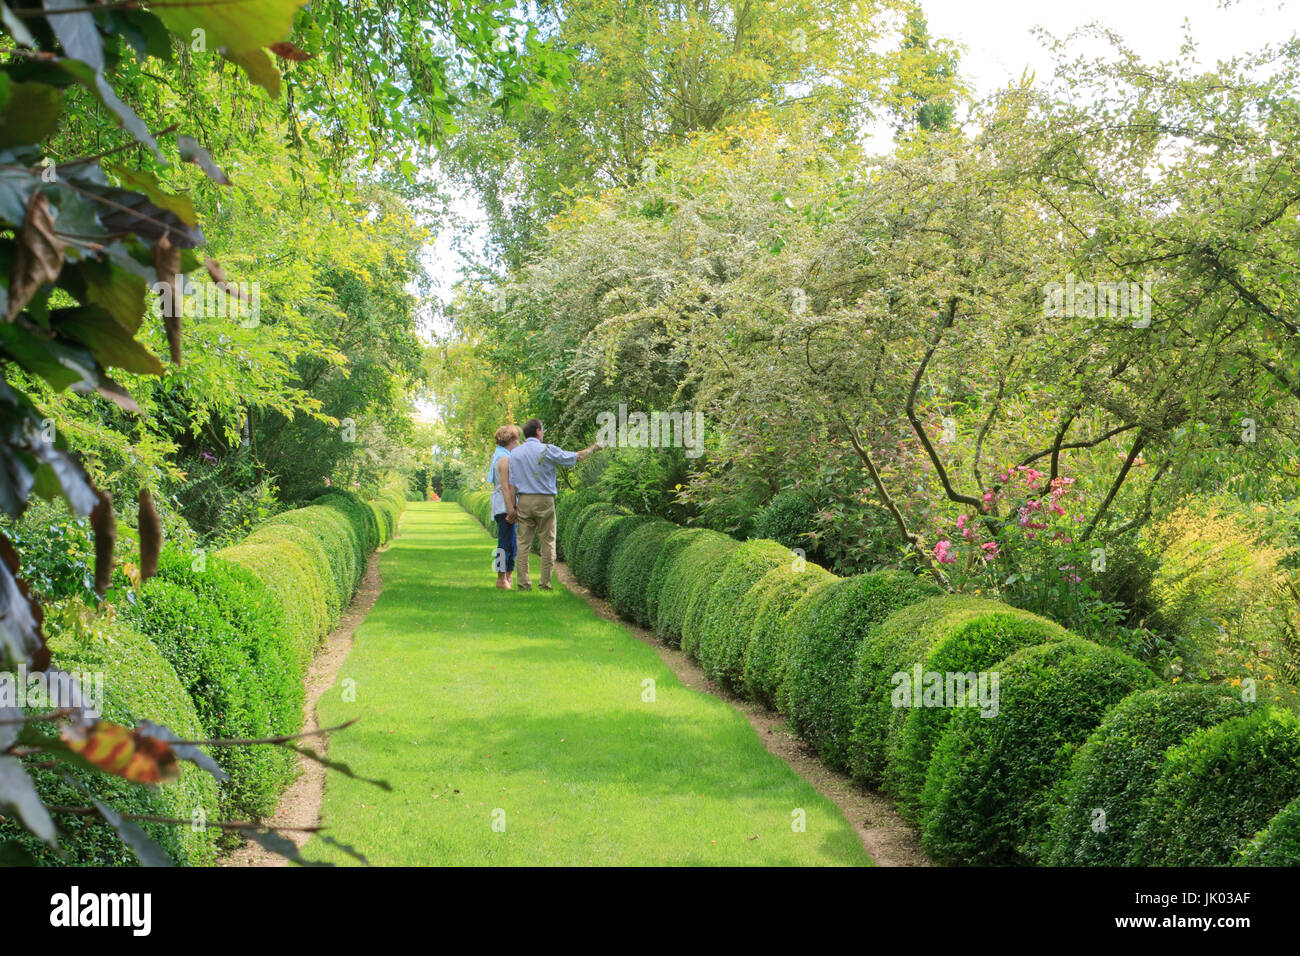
[536,517]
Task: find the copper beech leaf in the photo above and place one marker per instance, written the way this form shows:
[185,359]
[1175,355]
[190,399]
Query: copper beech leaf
[123,752]
[151,536]
[39,257]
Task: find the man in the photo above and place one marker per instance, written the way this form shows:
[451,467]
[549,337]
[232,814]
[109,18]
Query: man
[530,497]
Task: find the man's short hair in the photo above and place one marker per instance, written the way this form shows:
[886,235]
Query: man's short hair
[532,427]
[507,433]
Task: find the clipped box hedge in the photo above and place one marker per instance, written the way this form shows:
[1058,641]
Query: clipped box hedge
[1218,789]
[1278,844]
[767,651]
[820,689]
[728,610]
[945,635]
[1116,770]
[139,684]
[691,573]
[988,796]
[601,537]
[631,566]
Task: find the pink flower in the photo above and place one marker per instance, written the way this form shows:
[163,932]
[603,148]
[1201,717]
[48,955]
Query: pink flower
[990,549]
[943,552]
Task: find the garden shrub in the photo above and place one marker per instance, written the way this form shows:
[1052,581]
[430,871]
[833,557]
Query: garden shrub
[239,681]
[342,542]
[568,505]
[296,571]
[820,688]
[596,548]
[676,542]
[360,516]
[573,533]
[1218,789]
[787,519]
[1278,844]
[729,609]
[1116,769]
[139,684]
[692,572]
[631,566]
[767,650]
[987,797]
[950,634]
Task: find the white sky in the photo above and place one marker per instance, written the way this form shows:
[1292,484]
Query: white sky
[999,47]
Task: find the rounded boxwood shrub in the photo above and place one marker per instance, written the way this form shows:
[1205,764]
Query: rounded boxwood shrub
[596,548]
[945,635]
[819,684]
[238,679]
[787,519]
[672,548]
[295,571]
[568,505]
[987,797]
[767,650]
[573,534]
[693,571]
[1116,769]
[1278,844]
[359,515]
[139,684]
[341,541]
[632,565]
[729,609]
[1218,789]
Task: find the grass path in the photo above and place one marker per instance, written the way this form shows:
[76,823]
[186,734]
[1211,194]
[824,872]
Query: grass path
[513,730]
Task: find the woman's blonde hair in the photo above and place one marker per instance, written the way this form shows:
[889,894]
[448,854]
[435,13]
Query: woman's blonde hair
[505,433]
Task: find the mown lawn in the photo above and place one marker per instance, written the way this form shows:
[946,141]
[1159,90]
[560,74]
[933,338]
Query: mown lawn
[513,731]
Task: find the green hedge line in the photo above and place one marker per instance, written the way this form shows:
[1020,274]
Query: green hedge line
[1010,778]
[139,684]
[217,645]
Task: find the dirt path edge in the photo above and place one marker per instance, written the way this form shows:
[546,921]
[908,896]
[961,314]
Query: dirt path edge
[300,804]
[885,835]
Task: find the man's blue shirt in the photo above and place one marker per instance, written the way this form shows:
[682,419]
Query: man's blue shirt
[532,466]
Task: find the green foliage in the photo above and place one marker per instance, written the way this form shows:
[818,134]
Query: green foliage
[576,525]
[1278,844]
[58,556]
[632,566]
[687,575]
[568,506]
[988,795]
[729,609]
[821,693]
[602,535]
[1219,789]
[1116,769]
[771,634]
[665,560]
[788,518]
[945,635]
[241,683]
[139,684]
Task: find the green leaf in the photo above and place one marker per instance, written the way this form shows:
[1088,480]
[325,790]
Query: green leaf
[31,113]
[238,26]
[113,344]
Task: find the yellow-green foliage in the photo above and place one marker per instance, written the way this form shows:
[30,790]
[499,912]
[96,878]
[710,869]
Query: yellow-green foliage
[1215,590]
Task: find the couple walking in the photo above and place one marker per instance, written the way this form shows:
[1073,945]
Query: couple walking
[523,496]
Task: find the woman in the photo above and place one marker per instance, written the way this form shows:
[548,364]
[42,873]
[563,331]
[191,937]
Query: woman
[507,438]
